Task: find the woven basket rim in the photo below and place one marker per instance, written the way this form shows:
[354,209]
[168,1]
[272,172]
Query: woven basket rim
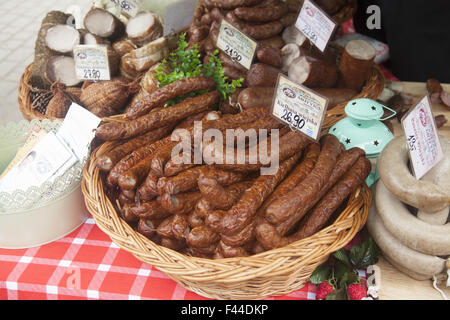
[206,276]
[25,103]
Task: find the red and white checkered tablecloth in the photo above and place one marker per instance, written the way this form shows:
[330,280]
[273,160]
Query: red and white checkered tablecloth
[86,264]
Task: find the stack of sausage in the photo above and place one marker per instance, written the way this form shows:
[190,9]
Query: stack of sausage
[282,48]
[409,219]
[262,20]
[222,209]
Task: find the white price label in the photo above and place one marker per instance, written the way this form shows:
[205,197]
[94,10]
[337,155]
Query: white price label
[91,62]
[178,16]
[129,7]
[299,107]
[315,24]
[240,47]
[422,138]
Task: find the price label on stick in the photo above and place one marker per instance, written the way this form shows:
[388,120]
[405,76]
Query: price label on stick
[240,47]
[422,138]
[299,107]
[91,62]
[129,7]
[315,24]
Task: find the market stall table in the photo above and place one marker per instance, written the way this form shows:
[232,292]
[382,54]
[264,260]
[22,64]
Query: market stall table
[394,284]
[86,264]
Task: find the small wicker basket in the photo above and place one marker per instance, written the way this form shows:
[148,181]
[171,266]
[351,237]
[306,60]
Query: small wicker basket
[24,99]
[271,273]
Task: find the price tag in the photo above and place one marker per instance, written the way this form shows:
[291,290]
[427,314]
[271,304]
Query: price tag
[240,47]
[315,24]
[299,107]
[91,62]
[129,7]
[178,16]
[422,138]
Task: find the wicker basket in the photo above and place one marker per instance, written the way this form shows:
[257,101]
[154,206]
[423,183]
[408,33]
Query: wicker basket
[26,105]
[24,99]
[271,273]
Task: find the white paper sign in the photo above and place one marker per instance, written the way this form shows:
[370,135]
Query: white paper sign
[422,138]
[41,164]
[77,130]
[91,62]
[236,44]
[315,24]
[179,15]
[299,107]
[128,7]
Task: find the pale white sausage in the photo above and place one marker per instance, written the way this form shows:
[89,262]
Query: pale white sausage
[439,175]
[401,255]
[409,230]
[394,171]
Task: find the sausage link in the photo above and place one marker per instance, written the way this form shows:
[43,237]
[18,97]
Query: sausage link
[257,32]
[203,208]
[241,238]
[322,212]
[240,215]
[148,210]
[172,168]
[343,164]
[195,220]
[270,56]
[160,158]
[165,228]
[187,180]
[231,4]
[148,190]
[181,203]
[174,244]
[232,252]
[133,177]
[218,196]
[289,19]
[275,42]
[214,220]
[158,118]
[256,97]
[263,14]
[298,199]
[169,92]
[107,161]
[295,177]
[268,235]
[132,159]
[289,144]
[129,194]
[205,252]
[147,227]
[201,237]
[180,227]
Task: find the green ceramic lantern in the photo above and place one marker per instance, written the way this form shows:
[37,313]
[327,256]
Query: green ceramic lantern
[363,128]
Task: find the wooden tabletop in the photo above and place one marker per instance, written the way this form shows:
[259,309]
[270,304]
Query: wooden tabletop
[393,284]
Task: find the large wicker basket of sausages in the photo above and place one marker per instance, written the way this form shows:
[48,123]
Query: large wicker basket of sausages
[225,230]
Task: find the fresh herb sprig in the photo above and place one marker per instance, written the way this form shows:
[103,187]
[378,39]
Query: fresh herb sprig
[186,62]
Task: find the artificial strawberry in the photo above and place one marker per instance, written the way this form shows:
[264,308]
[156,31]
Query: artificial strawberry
[356,291]
[324,289]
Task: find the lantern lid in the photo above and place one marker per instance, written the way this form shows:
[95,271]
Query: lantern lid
[362,127]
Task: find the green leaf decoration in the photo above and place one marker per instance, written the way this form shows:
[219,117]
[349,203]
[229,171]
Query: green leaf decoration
[364,254]
[321,274]
[185,63]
